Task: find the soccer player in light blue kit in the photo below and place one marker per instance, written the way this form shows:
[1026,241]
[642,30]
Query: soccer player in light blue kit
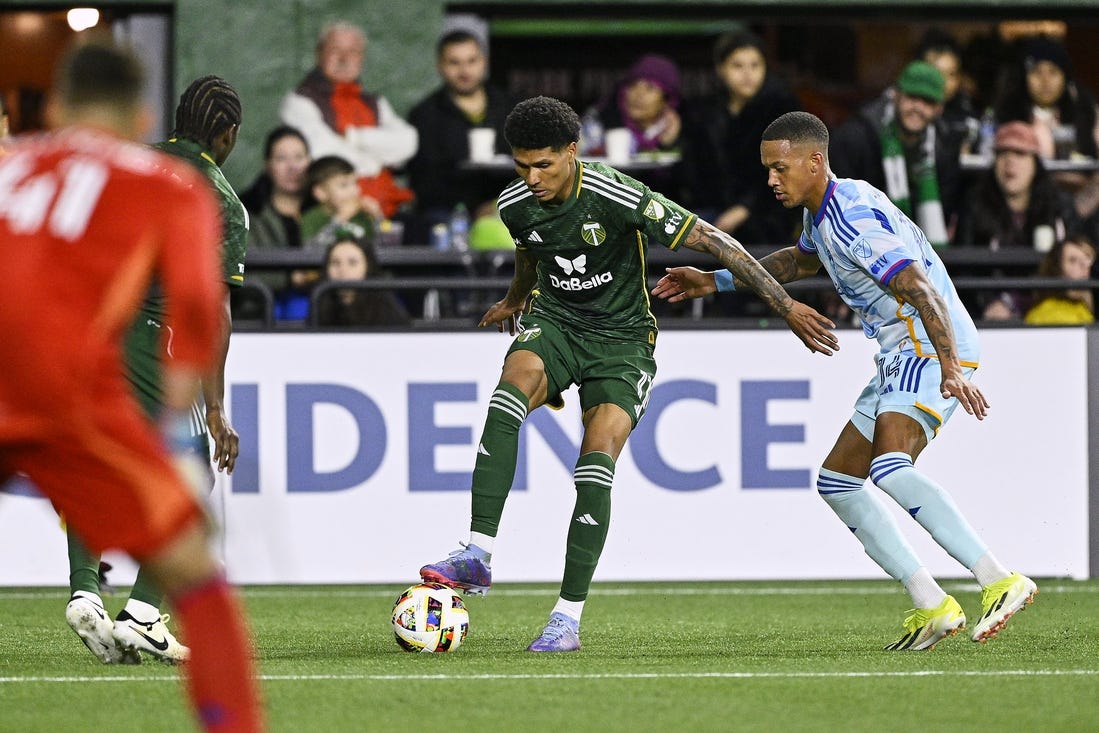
[885,269]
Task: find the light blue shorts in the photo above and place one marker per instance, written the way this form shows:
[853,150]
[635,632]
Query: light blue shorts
[907,384]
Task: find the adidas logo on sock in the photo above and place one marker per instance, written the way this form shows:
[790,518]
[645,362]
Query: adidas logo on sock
[587,519]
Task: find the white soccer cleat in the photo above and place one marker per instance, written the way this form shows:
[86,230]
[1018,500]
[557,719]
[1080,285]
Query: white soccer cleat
[151,637]
[92,624]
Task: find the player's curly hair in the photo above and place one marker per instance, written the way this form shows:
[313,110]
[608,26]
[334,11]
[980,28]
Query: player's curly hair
[798,127]
[541,122]
[207,108]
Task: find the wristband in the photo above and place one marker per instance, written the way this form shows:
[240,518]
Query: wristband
[724,281]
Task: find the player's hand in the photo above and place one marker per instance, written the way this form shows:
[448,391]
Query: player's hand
[968,394]
[814,329]
[224,438]
[502,312]
[682,283]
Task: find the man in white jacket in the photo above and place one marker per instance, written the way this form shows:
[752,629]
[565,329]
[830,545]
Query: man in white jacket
[338,117]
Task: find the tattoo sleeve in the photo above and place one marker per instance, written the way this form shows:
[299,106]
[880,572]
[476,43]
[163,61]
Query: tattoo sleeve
[912,286]
[526,275]
[748,271]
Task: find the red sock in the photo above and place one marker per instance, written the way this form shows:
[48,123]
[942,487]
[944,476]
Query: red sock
[221,678]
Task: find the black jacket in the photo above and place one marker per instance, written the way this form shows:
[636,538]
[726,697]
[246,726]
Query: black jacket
[855,152]
[722,166]
[435,173]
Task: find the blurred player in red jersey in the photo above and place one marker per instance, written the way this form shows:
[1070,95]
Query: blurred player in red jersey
[86,221]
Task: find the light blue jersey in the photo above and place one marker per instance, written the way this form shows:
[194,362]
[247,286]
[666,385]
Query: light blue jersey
[863,241]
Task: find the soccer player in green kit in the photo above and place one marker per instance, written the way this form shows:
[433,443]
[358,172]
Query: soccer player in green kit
[207,120]
[581,231]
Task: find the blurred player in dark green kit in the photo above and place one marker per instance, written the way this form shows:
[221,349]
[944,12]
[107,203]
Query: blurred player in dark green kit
[207,120]
[581,232]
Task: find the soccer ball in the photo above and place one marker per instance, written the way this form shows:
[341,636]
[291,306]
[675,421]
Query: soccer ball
[430,618]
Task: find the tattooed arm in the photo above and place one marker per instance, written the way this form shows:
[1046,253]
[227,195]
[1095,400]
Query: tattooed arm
[912,286]
[785,265]
[705,237]
[811,327]
[506,310]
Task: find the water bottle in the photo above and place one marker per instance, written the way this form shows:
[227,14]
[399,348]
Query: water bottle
[459,228]
[440,237]
[988,134]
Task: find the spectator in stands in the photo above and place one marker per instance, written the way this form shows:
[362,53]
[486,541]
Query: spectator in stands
[958,124]
[348,260]
[1041,90]
[340,208]
[443,120]
[1015,203]
[721,135]
[647,103]
[338,117]
[1071,259]
[892,144]
[275,199]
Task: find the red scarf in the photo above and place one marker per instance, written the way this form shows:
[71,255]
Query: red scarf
[351,110]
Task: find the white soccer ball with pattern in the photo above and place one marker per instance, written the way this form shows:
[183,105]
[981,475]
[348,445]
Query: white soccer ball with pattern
[430,617]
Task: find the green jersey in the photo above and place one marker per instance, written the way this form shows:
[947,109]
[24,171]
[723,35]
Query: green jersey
[591,250]
[234,217]
[144,342]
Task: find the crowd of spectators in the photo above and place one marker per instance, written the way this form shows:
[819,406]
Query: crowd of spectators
[1010,164]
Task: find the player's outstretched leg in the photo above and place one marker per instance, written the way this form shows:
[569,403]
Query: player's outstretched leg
[89,619]
[925,627]
[1000,601]
[467,569]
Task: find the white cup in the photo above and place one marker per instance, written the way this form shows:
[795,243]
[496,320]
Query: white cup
[1043,238]
[619,144]
[482,144]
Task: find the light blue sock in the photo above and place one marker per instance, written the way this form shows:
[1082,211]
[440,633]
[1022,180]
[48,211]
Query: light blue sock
[929,505]
[870,522]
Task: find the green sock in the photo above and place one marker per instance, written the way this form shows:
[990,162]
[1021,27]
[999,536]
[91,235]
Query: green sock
[145,589]
[83,567]
[496,456]
[590,519]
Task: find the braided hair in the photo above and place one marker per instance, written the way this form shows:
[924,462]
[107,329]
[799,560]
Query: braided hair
[207,108]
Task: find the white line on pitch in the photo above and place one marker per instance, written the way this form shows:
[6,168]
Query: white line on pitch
[599,676]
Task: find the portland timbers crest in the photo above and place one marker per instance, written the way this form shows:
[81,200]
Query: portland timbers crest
[593,233]
[529,334]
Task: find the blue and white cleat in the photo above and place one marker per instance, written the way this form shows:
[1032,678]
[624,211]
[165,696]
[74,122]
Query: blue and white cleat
[562,634]
[466,569]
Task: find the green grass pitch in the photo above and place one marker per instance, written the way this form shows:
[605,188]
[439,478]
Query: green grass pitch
[778,656]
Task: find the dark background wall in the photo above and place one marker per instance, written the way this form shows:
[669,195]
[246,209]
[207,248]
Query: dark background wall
[835,53]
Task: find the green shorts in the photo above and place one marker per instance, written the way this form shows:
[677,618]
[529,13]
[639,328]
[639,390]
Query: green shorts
[144,357]
[619,373]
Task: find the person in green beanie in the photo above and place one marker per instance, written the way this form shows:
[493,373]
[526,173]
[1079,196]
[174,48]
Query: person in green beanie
[894,144]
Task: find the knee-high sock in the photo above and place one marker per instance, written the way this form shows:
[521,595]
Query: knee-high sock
[146,590]
[83,566]
[870,522]
[496,456]
[591,517]
[932,507]
[221,680]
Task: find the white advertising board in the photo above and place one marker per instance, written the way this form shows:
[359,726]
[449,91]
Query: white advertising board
[357,452]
